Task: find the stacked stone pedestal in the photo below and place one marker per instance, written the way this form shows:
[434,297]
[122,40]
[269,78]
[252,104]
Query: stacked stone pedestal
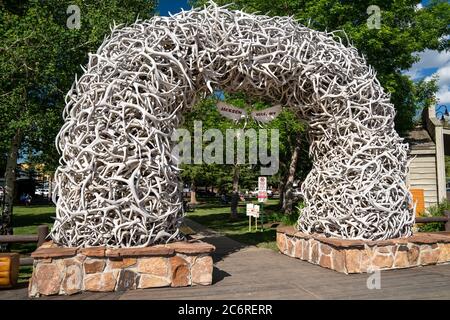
[67,271]
[361,256]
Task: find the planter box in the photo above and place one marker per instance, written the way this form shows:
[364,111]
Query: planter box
[66,271]
[365,256]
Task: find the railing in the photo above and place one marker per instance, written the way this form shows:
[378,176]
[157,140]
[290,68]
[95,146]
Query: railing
[445,219]
[39,238]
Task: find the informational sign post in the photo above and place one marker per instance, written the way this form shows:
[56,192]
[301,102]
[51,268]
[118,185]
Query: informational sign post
[252,211]
[262,189]
[262,196]
[262,184]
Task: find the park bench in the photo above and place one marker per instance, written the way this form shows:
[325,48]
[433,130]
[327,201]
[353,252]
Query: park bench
[445,218]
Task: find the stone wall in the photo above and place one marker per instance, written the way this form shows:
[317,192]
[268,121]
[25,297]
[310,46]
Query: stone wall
[66,271]
[360,256]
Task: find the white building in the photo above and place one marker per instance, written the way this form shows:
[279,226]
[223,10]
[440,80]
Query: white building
[428,146]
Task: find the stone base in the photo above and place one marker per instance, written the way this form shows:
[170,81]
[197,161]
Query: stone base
[361,256]
[66,271]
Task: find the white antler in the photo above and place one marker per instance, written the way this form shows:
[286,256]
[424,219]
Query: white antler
[117,184]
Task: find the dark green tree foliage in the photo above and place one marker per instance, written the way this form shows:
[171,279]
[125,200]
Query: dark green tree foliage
[39,57]
[425,95]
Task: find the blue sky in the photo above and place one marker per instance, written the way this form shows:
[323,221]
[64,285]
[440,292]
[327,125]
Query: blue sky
[431,62]
[172,6]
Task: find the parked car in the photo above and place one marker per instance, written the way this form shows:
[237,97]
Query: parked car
[41,192]
[2,194]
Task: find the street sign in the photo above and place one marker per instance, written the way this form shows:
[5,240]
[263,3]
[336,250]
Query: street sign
[262,184]
[256,211]
[249,210]
[266,115]
[252,210]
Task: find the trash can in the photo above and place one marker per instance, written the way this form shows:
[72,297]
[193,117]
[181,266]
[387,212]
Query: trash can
[9,269]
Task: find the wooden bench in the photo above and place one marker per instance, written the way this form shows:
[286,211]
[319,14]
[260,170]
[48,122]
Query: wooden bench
[39,238]
[445,219]
[11,261]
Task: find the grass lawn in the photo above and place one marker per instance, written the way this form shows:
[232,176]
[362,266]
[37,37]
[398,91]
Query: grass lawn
[210,213]
[217,217]
[26,219]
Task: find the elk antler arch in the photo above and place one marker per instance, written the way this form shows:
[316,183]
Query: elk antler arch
[117,183]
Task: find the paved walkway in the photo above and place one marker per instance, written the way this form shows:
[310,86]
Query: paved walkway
[247,272]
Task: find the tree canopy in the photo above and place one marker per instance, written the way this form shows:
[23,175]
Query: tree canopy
[40,56]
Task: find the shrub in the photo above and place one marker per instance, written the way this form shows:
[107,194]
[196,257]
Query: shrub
[287,219]
[435,211]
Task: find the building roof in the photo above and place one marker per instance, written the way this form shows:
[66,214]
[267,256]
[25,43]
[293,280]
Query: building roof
[419,140]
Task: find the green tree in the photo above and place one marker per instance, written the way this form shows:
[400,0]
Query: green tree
[294,160]
[39,58]
[194,174]
[293,154]
[425,95]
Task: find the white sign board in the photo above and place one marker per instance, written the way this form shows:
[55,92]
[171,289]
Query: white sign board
[230,112]
[256,211]
[252,210]
[266,115]
[249,209]
[262,184]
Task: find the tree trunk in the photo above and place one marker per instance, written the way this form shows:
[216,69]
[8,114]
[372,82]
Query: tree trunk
[235,195]
[281,188]
[193,193]
[288,196]
[50,187]
[10,181]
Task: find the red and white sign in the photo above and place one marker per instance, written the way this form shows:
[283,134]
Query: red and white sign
[262,196]
[262,184]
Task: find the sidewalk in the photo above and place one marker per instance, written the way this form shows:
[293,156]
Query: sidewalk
[247,272]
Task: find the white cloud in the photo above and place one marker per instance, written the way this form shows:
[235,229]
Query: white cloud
[443,74]
[431,59]
[428,59]
[444,96]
